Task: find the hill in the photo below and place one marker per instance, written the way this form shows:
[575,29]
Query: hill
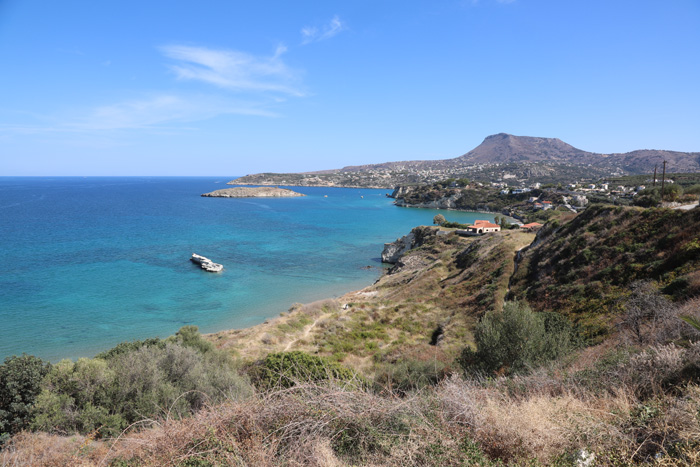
[499,157]
[504,148]
[584,268]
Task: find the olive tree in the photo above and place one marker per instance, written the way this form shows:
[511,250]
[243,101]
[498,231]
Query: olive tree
[20,384]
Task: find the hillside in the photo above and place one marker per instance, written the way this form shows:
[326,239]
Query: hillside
[499,157]
[584,268]
[445,283]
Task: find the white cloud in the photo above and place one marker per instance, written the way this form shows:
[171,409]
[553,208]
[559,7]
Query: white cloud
[234,70]
[153,112]
[252,85]
[311,34]
[157,110]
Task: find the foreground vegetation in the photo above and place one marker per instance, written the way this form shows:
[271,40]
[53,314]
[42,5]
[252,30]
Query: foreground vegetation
[580,352]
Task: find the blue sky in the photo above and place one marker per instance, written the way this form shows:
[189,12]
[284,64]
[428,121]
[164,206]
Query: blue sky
[234,87]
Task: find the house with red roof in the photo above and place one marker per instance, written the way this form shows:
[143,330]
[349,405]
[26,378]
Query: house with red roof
[531,227]
[481,226]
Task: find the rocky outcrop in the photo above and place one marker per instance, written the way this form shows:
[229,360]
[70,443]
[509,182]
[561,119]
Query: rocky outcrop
[401,191]
[253,192]
[447,202]
[394,250]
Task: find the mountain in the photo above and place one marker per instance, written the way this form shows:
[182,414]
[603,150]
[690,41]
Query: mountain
[505,148]
[499,157]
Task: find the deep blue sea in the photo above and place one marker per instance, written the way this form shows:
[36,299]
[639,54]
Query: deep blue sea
[86,263]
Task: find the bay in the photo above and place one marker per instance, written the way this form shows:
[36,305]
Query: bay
[86,263]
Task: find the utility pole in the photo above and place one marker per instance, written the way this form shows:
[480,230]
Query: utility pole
[663,182]
[655,166]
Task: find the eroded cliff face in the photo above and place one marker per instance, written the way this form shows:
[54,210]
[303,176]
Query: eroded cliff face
[393,250]
[418,235]
[401,191]
[448,202]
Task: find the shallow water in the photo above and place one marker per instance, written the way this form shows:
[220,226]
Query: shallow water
[89,262]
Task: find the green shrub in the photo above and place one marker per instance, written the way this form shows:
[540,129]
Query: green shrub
[286,369]
[409,375]
[126,347]
[20,384]
[516,339]
[693,190]
[189,336]
[134,382]
[76,397]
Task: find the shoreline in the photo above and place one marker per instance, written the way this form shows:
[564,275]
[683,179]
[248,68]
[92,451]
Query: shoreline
[462,210]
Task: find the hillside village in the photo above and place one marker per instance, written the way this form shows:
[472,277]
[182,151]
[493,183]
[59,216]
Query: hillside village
[539,202]
[502,158]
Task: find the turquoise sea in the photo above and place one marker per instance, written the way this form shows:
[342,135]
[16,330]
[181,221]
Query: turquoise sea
[87,263]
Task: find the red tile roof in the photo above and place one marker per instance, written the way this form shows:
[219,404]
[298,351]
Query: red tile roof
[485,224]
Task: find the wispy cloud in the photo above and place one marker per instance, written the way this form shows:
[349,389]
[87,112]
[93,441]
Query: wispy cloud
[311,34]
[163,110]
[152,112]
[234,70]
[240,84]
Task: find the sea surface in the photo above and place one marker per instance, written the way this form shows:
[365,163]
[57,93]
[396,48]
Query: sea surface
[86,263]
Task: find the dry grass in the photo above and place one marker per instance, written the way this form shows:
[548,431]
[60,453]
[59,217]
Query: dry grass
[537,424]
[539,418]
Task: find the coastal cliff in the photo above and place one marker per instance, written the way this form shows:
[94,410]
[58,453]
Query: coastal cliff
[393,251]
[253,192]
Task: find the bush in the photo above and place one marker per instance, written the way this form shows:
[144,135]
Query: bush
[516,339]
[126,347]
[648,197]
[410,375]
[286,369]
[693,190]
[20,384]
[189,336]
[135,382]
[76,397]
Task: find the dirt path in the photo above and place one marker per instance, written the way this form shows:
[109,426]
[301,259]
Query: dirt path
[307,331]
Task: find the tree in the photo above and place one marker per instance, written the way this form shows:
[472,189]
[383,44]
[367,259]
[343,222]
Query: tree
[646,313]
[648,197]
[439,219]
[20,384]
[516,338]
[672,192]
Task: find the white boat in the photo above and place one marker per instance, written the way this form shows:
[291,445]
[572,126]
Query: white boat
[206,263]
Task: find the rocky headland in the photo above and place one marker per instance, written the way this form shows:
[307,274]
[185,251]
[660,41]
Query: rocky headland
[253,192]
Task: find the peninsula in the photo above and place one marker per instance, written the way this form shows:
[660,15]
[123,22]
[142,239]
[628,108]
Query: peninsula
[253,192]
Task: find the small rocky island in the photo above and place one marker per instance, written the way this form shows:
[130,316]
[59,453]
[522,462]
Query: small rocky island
[253,192]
